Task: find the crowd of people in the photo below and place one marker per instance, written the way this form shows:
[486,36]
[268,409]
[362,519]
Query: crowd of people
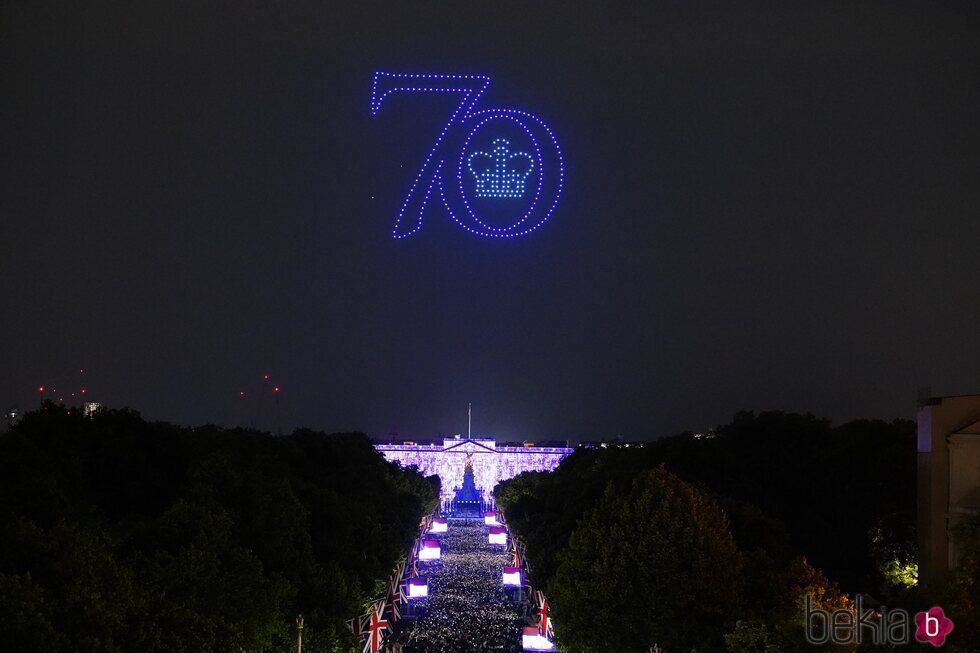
[467,610]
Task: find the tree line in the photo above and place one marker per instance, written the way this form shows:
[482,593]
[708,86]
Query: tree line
[119,534]
[711,541]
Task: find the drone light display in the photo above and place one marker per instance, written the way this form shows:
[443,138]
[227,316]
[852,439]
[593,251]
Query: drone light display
[499,172]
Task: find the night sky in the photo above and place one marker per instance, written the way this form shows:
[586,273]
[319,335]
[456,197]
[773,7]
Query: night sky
[767,206]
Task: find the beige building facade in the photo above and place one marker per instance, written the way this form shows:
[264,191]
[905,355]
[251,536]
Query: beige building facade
[948,482]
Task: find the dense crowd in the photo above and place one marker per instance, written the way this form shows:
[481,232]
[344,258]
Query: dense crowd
[467,610]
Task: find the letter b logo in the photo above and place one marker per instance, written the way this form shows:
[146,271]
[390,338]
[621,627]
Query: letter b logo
[932,627]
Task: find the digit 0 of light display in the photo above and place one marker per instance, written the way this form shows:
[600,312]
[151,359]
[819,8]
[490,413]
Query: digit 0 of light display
[499,172]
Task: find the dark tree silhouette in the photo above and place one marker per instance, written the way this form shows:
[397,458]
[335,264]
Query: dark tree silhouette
[118,534]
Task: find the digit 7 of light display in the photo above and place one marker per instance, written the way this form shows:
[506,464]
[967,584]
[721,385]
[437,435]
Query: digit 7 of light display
[499,172]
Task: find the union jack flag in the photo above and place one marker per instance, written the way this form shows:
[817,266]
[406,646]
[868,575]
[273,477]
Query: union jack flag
[376,629]
[411,565]
[408,571]
[545,625]
[356,624]
[396,596]
[516,562]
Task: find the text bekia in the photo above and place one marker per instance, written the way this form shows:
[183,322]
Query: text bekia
[882,626]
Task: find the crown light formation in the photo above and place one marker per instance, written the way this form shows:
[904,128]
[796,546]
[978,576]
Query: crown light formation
[494,178]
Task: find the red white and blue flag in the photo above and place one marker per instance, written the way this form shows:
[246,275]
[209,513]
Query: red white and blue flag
[356,624]
[396,595]
[411,566]
[545,625]
[376,628]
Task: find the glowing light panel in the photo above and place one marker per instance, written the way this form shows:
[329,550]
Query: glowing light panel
[512,576]
[439,525]
[418,588]
[490,519]
[497,536]
[497,175]
[431,550]
[531,640]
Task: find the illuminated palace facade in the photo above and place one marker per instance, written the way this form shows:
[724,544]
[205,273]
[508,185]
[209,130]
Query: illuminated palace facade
[491,463]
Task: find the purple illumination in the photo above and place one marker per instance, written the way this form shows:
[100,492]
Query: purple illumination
[431,550]
[491,464]
[512,576]
[418,588]
[532,640]
[486,168]
[490,519]
[497,535]
[439,525]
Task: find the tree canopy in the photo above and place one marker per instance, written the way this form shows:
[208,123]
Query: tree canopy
[120,534]
[661,545]
[807,505]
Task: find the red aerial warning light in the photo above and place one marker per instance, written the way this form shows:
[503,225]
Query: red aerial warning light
[241,393]
[83,390]
[265,376]
[40,388]
[276,389]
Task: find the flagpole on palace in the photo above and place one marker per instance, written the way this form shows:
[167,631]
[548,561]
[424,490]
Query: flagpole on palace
[469,422]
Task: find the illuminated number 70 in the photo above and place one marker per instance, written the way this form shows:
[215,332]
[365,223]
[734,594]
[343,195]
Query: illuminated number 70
[469,171]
